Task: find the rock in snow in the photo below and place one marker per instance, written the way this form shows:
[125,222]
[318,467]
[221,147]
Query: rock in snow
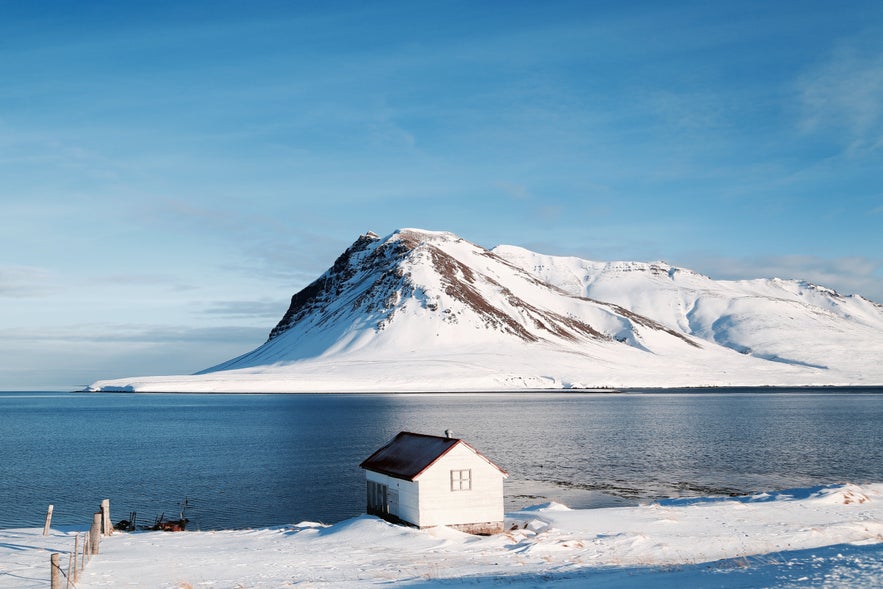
[428,311]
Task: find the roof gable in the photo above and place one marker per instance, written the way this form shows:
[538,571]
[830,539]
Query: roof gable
[408,455]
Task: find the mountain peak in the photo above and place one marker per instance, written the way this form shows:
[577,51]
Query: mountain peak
[414,282]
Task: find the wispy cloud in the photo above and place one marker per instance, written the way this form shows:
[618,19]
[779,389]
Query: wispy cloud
[847,275]
[134,334]
[844,96]
[279,248]
[685,113]
[25,282]
[164,281]
[515,191]
[71,356]
[264,308]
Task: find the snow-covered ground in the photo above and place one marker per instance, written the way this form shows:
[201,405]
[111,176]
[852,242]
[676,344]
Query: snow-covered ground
[831,537]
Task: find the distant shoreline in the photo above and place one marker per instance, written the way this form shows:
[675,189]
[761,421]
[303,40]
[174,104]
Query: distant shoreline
[711,389]
[776,389]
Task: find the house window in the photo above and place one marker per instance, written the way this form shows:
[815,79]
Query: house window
[461,480]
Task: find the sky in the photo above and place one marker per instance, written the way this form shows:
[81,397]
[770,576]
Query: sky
[172,172]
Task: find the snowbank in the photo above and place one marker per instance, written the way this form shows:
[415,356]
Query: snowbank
[831,536]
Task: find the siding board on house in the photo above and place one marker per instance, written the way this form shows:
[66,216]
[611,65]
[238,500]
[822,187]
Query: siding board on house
[406,508]
[483,502]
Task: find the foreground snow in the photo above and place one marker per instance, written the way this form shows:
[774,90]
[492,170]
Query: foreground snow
[830,536]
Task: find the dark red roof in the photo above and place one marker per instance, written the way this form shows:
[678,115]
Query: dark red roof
[409,454]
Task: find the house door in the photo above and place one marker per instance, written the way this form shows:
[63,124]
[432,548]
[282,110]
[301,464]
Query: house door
[378,497]
[393,504]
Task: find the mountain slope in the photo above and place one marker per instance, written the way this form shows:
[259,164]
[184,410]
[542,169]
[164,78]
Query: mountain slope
[785,321]
[423,310]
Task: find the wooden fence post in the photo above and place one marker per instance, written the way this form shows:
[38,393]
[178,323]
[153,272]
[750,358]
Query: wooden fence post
[95,532]
[48,520]
[55,575]
[75,572]
[70,571]
[106,528]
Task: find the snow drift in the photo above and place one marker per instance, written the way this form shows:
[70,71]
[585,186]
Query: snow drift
[428,311]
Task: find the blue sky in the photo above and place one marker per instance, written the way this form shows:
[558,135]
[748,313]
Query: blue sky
[171,172]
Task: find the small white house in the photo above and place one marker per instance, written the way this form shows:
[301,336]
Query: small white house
[428,481]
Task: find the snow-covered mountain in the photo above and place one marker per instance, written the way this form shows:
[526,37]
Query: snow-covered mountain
[428,311]
[788,321]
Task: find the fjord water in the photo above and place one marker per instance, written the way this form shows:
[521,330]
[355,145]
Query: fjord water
[238,461]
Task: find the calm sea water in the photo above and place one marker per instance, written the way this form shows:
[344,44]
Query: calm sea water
[257,460]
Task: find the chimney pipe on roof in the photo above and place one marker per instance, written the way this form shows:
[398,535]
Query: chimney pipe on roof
[449,434]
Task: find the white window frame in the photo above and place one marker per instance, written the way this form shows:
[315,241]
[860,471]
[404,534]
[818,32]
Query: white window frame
[461,480]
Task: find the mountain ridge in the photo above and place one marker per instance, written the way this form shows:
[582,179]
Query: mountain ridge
[417,309]
[698,305]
